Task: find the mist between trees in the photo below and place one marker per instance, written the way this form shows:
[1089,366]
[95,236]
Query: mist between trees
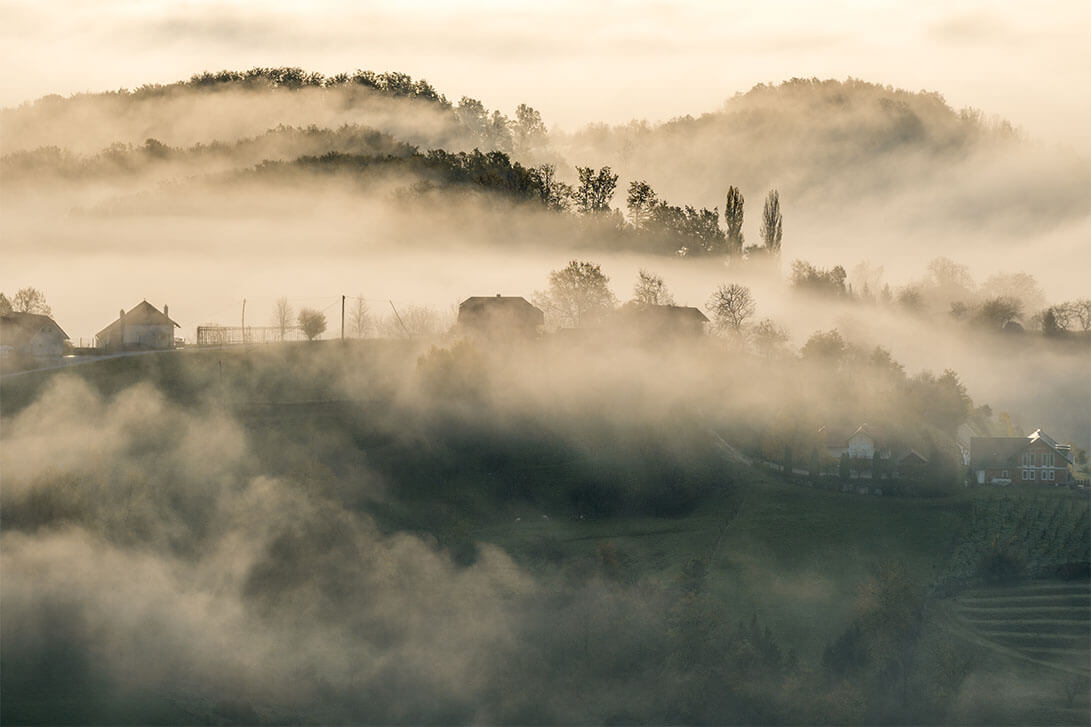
[389,532]
[586,527]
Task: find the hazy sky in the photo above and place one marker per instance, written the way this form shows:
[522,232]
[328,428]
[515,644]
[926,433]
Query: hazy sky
[578,61]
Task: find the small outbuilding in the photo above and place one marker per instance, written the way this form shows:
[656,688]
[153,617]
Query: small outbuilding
[30,339]
[144,327]
[499,316]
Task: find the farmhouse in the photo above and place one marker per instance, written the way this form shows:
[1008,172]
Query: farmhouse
[861,444]
[29,339]
[659,321]
[499,316]
[144,327]
[1034,459]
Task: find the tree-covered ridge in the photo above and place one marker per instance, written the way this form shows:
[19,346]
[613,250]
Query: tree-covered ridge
[280,143]
[284,78]
[833,145]
[217,106]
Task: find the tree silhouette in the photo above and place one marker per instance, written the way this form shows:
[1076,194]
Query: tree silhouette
[595,190]
[731,305]
[30,300]
[772,223]
[312,322]
[650,290]
[577,294]
[282,317]
[733,216]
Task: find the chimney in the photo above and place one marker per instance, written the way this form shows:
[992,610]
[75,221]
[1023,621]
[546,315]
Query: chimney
[165,311]
[121,314]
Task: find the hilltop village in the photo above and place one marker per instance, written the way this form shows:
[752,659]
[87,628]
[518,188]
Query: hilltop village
[857,457]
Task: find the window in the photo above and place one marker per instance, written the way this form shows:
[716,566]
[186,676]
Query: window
[1047,459]
[1028,475]
[1005,474]
[1048,475]
[1028,459]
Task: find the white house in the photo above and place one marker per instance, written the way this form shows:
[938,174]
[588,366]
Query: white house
[861,444]
[30,339]
[144,327]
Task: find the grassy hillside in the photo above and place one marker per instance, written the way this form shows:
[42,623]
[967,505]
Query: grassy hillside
[637,561]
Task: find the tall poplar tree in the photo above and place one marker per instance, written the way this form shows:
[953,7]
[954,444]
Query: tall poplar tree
[733,216]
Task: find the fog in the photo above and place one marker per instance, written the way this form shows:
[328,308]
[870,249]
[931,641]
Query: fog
[389,532]
[599,523]
[628,60]
[203,222]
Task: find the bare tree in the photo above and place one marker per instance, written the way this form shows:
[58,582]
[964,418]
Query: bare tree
[1066,316]
[731,305]
[30,300]
[412,321]
[5,305]
[282,317]
[313,323]
[359,318]
[1081,309]
[650,290]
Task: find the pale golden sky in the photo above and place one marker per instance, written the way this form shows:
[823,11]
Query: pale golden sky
[578,61]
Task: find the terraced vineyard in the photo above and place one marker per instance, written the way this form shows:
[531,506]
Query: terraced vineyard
[1038,534]
[1040,630]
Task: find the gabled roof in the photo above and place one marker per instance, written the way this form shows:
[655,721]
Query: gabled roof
[986,452]
[841,440]
[142,314]
[909,454]
[991,452]
[20,328]
[865,430]
[1063,449]
[507,302]
[664,313]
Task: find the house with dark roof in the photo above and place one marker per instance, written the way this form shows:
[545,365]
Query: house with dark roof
[658,321]
[143,327]
[499,316]
[909,464]
[1034,459]
[30,339]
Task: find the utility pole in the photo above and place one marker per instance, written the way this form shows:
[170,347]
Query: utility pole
[244,320]
[342,318]
[400,323]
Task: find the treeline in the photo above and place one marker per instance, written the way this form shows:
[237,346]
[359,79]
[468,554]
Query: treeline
[280,143]
[469,119]
[1009,302]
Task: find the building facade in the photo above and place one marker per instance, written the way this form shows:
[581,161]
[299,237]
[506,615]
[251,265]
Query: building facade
[144,327]
[1036,459]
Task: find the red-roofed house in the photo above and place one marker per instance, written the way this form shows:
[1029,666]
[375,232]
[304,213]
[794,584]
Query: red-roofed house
[1030,460]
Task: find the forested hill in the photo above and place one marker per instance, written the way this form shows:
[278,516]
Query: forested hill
[845,155]
[827,143]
